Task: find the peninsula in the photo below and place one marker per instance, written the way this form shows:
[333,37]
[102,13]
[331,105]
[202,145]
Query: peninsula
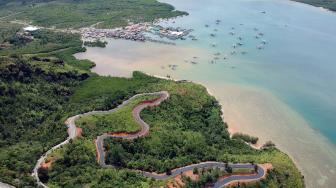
[120,132]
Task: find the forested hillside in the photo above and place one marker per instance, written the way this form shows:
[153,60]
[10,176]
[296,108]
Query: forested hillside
[83,13]
[328,4]
[42,84]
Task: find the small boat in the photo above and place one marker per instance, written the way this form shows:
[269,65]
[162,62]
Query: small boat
[263,41]
[240,44]
[217,54]
[263,12]
[233,52]
[261,34]
[206,25]
[260,47]
[213,35]
[257,37]
[193,62]
[243,52]
[195,57]
[234,46]
[231,33]
[240,38]
[213,44]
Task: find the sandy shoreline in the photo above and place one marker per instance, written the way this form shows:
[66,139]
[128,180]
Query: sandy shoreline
[232,129]
[258,113]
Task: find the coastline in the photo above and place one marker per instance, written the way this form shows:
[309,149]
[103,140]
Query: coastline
[268,119]
[232,129]
[239,121]
[314,6]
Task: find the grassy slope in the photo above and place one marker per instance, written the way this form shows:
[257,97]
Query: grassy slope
[82,13]
[119,121]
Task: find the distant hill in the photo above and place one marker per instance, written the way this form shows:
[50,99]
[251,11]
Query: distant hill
[328,4]
[83,13]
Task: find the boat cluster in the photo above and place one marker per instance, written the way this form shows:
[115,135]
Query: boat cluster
[235,46]
[170,66]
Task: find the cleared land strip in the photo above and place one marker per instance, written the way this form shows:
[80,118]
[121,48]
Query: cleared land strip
[163,95]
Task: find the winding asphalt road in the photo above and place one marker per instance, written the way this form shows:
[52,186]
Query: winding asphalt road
[162,96]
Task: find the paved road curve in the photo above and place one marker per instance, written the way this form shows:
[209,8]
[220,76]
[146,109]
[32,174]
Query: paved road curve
[162,96]
[4,185]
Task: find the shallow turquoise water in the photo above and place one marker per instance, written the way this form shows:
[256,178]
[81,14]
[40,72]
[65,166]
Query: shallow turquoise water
[298,63]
